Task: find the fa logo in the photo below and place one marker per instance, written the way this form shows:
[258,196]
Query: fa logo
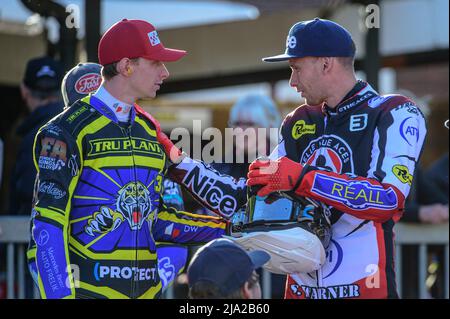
[358,122]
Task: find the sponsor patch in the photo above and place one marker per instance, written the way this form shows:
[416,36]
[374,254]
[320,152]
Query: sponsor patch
[329,152]
[53,129]
[171,231]
[334,257]
[43,238]
[291,42]
[402,173]
[358,195]
[53,154]
[88,83]
[54,148]
[154,39]
[358,122]
[300,128]
[116,272]
[410,108]
[355,101]
[73,165]
[166,270]
[50,163]
[76,114]
[207,188]
[378,100]
[124,146]
[332,292]
[45,70]
[51,189]
[409,131]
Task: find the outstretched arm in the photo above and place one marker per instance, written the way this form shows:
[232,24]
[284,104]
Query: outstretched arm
[379,196]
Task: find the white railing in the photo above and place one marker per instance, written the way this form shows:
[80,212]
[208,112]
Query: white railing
[14,233]
[422,235]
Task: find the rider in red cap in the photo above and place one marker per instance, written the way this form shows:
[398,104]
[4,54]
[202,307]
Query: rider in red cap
[97,206]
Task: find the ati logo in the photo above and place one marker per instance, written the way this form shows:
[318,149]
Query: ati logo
[402,173]
[206,188]
[88,83]
[124,145]
[301,128]
[409,131]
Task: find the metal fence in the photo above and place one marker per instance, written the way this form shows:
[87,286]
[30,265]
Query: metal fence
[14,235]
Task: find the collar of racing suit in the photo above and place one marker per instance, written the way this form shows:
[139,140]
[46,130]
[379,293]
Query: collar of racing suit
[361,92]
[114,109]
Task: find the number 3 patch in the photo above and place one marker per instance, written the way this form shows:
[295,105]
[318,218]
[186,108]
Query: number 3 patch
[358,122]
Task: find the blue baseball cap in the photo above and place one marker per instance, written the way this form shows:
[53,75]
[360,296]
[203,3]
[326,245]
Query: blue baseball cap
[317,38]
[225,264]
[43,74]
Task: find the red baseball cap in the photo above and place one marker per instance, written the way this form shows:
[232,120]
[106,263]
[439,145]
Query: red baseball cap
[134,39]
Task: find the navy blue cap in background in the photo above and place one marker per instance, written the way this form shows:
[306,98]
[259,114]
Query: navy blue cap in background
[225,264]
[43,74]
[316,38]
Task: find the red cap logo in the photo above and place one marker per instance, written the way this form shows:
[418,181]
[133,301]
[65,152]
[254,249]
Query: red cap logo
[88,83]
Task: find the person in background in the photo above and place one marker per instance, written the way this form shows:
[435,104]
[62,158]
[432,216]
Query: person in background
[223,270]
[1,160]
[438,171]
[427,203]
[249,113]
[40,91]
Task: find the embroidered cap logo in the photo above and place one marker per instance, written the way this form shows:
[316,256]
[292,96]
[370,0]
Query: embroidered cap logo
[154,40]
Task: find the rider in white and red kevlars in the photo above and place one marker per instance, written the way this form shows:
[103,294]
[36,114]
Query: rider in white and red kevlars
[351,149]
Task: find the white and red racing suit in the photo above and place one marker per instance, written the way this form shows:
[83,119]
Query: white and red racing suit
[359,159]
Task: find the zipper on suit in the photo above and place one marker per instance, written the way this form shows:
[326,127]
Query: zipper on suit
[134,283]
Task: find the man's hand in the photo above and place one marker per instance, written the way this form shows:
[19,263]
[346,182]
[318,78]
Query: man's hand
[170,149]
[434,214]
[273,176]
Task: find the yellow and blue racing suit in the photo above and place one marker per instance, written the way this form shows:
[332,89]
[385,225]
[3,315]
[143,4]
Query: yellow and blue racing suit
[98,211]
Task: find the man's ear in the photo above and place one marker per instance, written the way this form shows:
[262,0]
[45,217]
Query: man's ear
[245,291]
[24,91]
[124,67]
[327,64]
